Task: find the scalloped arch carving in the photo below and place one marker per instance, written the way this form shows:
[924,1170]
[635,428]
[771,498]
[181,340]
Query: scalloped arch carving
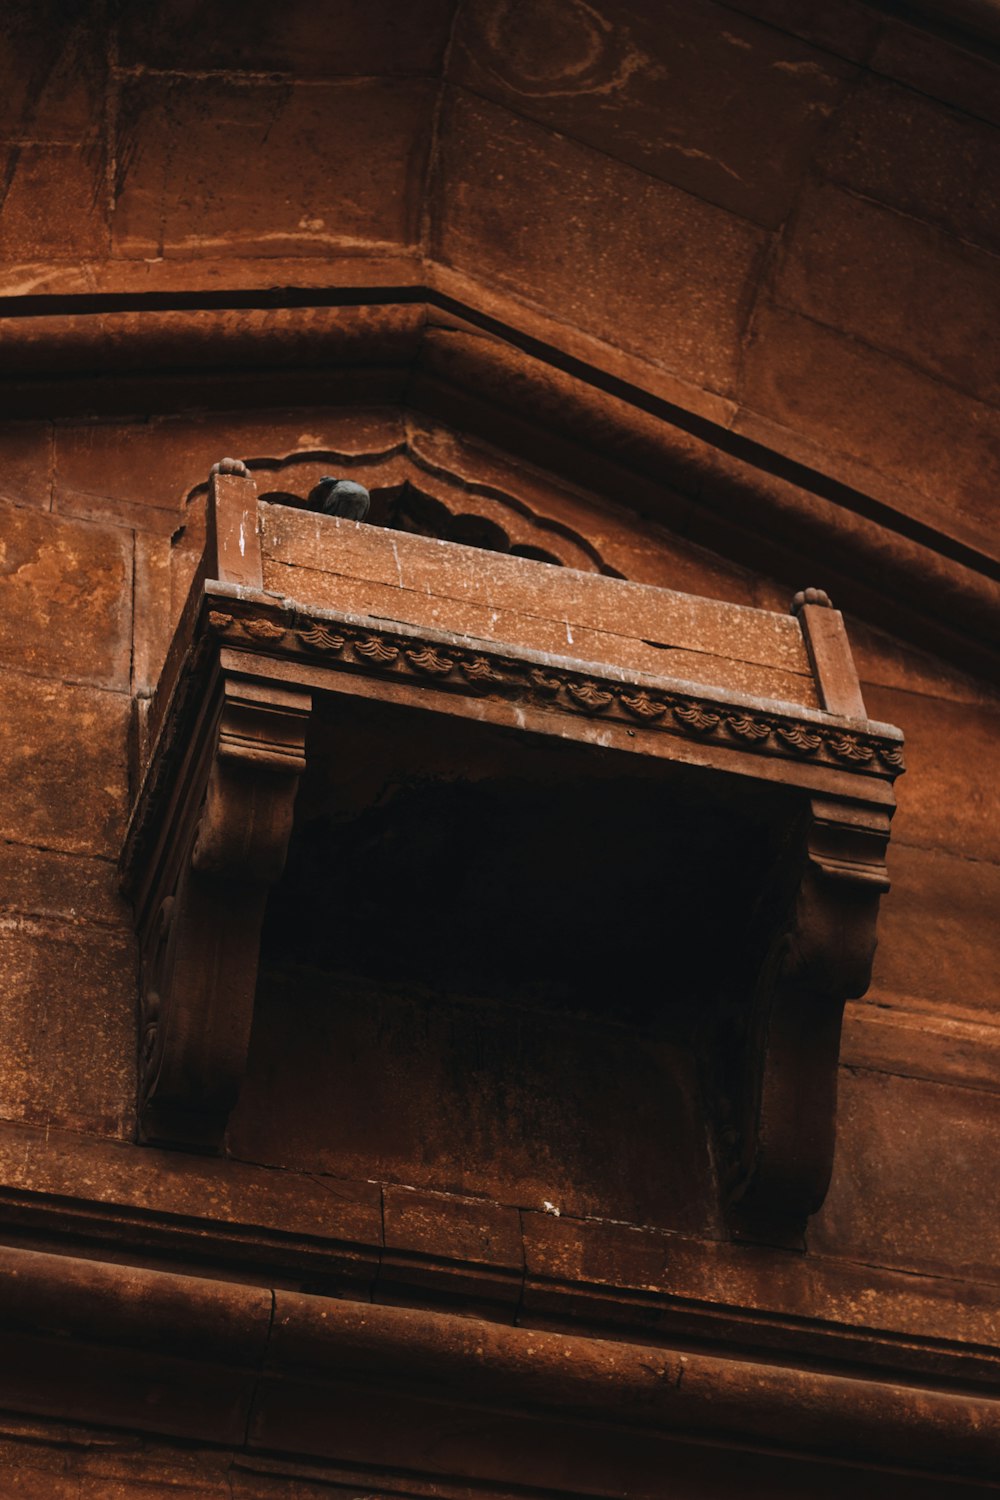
[411,492]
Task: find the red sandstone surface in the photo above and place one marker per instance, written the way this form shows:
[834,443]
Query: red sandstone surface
[685,296]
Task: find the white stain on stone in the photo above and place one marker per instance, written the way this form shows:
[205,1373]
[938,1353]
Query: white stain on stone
[399,567]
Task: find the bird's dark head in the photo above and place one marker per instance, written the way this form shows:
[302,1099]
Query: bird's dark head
[328,479]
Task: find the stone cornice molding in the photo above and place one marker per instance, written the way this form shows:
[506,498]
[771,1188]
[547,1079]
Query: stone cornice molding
[230,1219]
[349,643]
[266,1370]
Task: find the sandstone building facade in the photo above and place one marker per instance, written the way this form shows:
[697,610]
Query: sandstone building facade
[440,1052]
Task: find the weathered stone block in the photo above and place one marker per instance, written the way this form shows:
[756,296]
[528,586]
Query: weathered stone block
[909,152]
[140,473]
[368,1081]
[619,253]
[928,63]
[67,1026]
[465,1249]
[847,29]
[896,283]
[647,93]
[27,1481]
[66,887]
[648,1278]
[180,1189]
[41,177]
[350,36]
[155,616]
[922,1039]
[442,1225]
[65,598]
[209,166]
[26,464]
[947,800]
[856,401]
[886,661]
[953,903]
[53,62]
[914,1183]
[63,748]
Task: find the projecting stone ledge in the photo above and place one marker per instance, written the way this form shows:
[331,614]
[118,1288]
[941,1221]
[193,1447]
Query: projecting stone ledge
[270,1370]
[295,617]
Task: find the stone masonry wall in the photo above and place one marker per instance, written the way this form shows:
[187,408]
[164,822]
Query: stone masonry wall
[781,216]
[786,216]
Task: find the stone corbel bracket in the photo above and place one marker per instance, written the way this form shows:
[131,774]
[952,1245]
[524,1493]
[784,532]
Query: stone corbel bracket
[818,942]
[199,871]
[202,910]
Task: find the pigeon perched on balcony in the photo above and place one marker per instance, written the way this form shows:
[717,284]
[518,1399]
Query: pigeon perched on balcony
[340,497]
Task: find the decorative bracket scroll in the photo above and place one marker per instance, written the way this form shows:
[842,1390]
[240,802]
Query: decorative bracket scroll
[818,956]
[209,866]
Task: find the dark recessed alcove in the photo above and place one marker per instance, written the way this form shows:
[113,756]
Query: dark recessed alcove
[489,951]
[491,863]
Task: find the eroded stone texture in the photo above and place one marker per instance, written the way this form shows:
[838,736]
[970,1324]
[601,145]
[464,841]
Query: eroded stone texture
[644,84]
[953,901]
[67,1025]
[208,166]
[140,474]
[63,747]
[339,39]
[951,802]
[847,29]
[917,1185]
[41,175]
[920,1038]
[26,464]
[438,1224]
[65,598]
[931,64]
[451,1096]
[612,242]
[887,661]
[867,271]
[52,58]
[65,887]
[126,1179]
[428,1235]
[882,413]
[157,567]
[909,152]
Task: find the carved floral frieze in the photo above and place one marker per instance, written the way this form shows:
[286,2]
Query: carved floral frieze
[477,667]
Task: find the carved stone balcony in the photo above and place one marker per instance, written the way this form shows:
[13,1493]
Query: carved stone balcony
[314,649]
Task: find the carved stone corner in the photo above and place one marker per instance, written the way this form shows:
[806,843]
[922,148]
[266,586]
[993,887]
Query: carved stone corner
[221,813]
[817,943]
